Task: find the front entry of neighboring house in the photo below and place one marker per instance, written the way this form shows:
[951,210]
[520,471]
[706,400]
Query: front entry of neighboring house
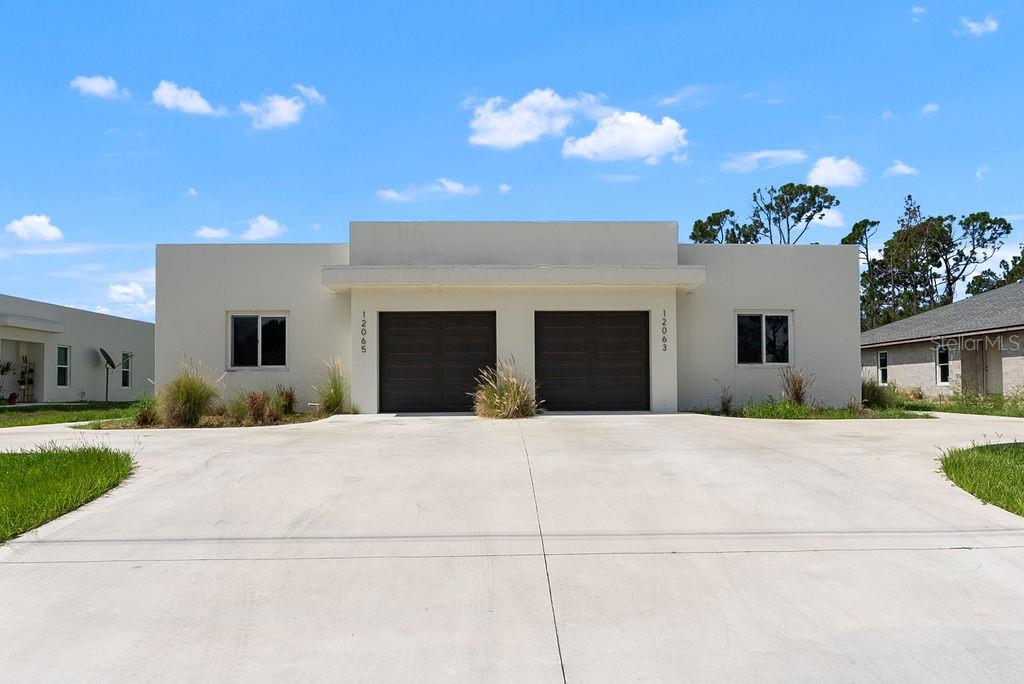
[993,369]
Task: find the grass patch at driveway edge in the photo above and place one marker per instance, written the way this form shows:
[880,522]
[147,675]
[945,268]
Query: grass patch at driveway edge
[994,473]
[41,484]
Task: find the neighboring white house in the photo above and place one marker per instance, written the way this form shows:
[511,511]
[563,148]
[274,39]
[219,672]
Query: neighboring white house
[975,345]
[56,353]
[605,315]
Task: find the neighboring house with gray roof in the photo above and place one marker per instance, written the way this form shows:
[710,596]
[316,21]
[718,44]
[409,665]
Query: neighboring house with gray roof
[976,344]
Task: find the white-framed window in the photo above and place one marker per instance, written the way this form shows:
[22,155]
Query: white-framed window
[258,340]
[942,365]
[883,368]
[763,337]
[63,365]
[126,369]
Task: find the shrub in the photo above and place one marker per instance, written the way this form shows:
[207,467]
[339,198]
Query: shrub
[144,411]
[331,390]
[284,398]
[236,412]
[725,400]
[187,398]
[874,395]
[261,407]
[503,392]
[796,385]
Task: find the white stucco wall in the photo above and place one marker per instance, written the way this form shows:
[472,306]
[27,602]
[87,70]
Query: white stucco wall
[198,286]
[817,284]
[84,332]
[514,309]
[530,243]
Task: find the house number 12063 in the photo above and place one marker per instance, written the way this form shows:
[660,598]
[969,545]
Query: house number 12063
[664,330]
[362,331]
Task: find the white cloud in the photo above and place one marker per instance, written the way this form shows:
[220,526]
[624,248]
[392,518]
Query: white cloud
[981,27]
[832,218]
[35,228]
[442,187]
[389,195]
[101,309]
[146,276]
[191,192]
[834,172]
[504,189]
[899,168]
[262,228]
[628,135]
[618,177]
[695,95]
[446,186]
[126,292]
[917,12]
[310,94]
[887,115]
[762,159]
[170,95]
[980,174]
[98,86]
[274,111]
[539,113]
[208,233]
[930,108]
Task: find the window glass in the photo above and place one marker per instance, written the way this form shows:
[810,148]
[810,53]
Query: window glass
[748,338]
[776,339]
[883,368]
[63,366]
[942,359]
[272,349]
[244,341]
[126,369]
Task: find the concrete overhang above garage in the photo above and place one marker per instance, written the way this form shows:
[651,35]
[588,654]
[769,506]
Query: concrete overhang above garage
[45,325]
[344,278]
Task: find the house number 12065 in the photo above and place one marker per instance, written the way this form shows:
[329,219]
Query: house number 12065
[664,330]
[362,331]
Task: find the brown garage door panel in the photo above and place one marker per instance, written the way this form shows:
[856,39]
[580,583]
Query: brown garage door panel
[429,361]
[593,360]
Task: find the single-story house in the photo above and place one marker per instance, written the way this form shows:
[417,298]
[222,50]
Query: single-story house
[606,316]
[974,345]
[55,352]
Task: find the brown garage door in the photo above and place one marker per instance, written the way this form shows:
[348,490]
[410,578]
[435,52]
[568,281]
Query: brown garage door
[429,360]
[593,360]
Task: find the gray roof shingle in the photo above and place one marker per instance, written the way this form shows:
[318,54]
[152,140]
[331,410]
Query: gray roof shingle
[1000,308]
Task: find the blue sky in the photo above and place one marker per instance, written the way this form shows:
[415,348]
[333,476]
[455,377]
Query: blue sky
[131,124]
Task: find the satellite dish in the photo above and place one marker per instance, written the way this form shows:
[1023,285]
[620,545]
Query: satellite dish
[106,357]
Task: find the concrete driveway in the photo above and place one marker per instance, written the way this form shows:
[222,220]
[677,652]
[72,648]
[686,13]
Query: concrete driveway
[594,548]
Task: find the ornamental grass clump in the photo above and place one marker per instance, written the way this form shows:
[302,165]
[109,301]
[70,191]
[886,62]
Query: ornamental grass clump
[796,385]
[144,411]
[187,398]
[330,391]
[504,392]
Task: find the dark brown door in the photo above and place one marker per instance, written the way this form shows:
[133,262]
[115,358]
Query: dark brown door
[593,360]
[429,361]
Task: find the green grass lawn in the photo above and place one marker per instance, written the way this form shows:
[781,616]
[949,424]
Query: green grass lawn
[982,406]
[44,483]
[15,416]
[781,410]
[786,411]
[993,472]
